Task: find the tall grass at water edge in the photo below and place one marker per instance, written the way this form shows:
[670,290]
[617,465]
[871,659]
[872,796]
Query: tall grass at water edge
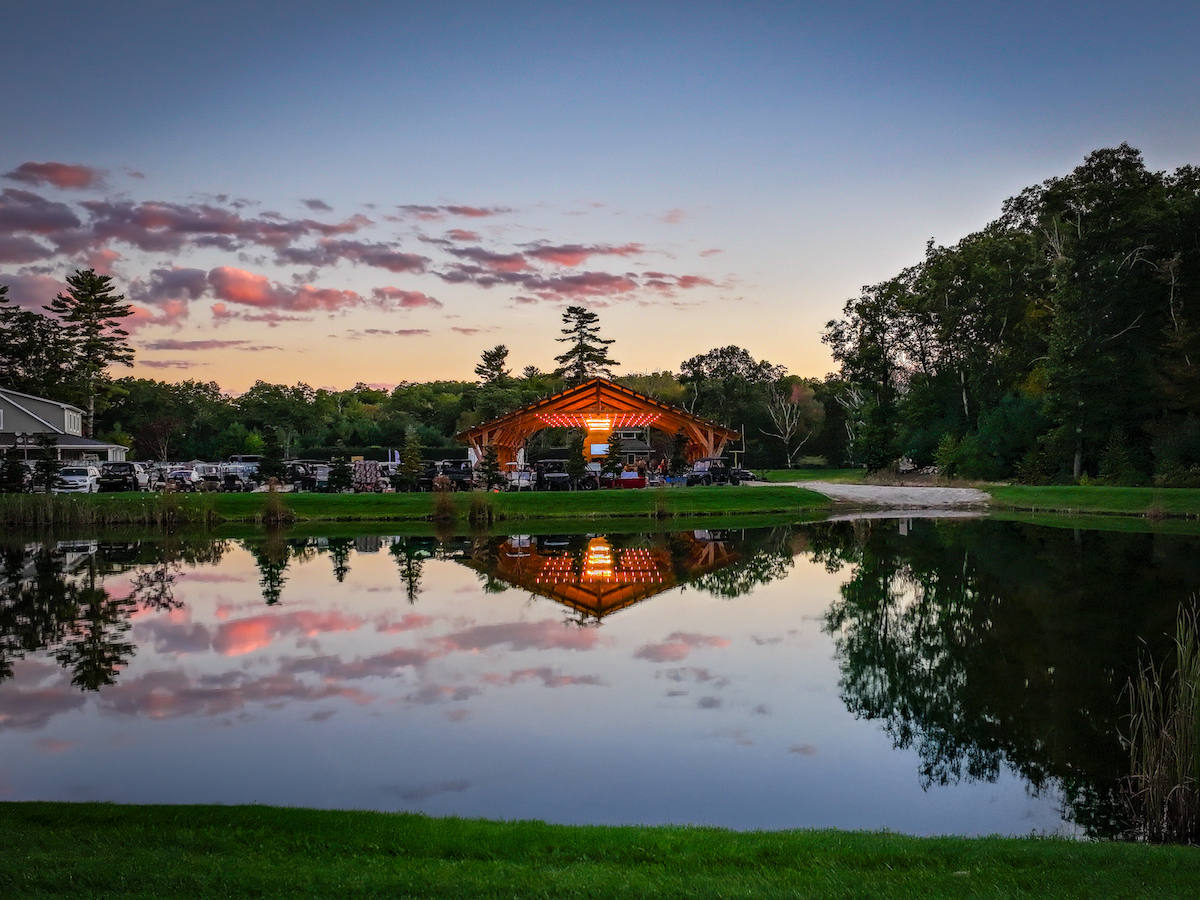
[1164,742]
[164,509]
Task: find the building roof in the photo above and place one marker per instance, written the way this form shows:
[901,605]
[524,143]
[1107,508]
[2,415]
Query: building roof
[600,406]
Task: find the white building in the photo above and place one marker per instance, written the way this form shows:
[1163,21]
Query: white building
[24,417]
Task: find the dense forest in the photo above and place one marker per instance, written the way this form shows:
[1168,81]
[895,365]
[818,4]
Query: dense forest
[1061,342]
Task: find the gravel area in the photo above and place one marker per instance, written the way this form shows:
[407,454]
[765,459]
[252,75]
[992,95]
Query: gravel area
[898,496]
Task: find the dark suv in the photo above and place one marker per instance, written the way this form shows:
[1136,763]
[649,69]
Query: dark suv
[123,476]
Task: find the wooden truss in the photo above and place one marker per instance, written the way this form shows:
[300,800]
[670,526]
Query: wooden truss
[601,407]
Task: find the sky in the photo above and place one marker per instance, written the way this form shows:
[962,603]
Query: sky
[377,192]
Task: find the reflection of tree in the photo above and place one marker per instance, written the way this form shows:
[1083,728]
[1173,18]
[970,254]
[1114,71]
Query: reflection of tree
[51,599]
[339,552]
[410,555]
[992,644]
[34,611]
[272,556]
[762,557]
[95,647]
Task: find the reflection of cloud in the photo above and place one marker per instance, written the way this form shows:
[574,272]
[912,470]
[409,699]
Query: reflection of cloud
[442,693]
[698,674]
[240,636]
[545,635]
[164,695]
[709,703]
[803,749]
[424,792]
[33,709]
[678,645]
[548,677]
[738,736]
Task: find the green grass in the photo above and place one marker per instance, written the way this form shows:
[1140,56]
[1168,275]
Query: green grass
[836,476]
[129,852]
[174,509]
[1126,501]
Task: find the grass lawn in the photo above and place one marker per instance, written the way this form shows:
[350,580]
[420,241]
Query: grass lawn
[128,852]
[1130,501]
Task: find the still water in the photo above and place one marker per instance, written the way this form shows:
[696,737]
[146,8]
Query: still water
[924,676]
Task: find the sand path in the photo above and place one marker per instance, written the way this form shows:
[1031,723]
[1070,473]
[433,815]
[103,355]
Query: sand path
[897,496]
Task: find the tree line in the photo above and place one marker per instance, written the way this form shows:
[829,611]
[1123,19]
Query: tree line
[1060,342]
[65,353]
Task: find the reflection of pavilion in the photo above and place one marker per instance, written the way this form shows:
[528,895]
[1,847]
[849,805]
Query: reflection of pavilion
[591,576]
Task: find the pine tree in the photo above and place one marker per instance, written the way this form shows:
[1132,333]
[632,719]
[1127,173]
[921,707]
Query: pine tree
[411,465]
[614,462]
[12,472]
[272,465]
[45,469]
[489,467]
[91,312]
[588,356]
[341,476]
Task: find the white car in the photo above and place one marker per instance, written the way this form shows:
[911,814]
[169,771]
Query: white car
[78,479]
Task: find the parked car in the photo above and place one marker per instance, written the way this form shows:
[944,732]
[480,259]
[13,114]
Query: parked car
[124,476]
[183,479]
[77,479]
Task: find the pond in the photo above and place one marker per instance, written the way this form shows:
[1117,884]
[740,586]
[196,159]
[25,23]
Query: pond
[928,676]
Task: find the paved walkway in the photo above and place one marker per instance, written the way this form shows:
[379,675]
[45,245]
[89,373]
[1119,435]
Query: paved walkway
[898,496]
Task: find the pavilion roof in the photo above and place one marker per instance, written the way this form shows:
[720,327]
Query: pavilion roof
[600,406]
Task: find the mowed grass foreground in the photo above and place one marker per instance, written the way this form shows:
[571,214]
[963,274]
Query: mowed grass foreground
[127,852]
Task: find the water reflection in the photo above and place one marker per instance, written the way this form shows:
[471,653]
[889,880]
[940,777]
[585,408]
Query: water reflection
[991,644]
[596,575]
[983,650]
[53,600]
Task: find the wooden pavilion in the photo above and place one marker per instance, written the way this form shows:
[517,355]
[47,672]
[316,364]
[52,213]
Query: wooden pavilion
[601,407]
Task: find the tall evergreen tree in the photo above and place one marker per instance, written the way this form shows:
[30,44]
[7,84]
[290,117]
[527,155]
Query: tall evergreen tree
[92,312]
[491,368]
[588,354]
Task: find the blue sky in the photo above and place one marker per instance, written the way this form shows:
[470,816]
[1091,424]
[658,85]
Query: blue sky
[378,192]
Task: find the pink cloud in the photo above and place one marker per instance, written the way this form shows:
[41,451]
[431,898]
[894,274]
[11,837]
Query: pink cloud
[576,254]
[493,262]
[246,288]
[27,212]
[678,645]
[166,364]
[21,250]
[192,345]
[404,299]
[459,234]
[435,213]
[60,175]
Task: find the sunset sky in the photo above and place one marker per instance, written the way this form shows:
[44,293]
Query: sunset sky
[379,191]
